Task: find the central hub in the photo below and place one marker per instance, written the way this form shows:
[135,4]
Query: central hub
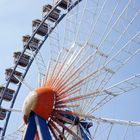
[40,101]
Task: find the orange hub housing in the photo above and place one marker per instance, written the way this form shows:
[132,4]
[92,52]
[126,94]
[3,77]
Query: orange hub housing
[45,102]
[40,101]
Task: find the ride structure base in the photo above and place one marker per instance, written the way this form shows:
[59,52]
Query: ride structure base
[37,128]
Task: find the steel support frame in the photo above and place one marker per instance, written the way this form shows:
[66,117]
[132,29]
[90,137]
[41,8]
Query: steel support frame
[82,127]
[37,126]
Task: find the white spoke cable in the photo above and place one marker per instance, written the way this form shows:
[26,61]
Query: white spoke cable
[12,110]
[125,30]
[25,83]
[120,88]
[117,58]
[81,19]
[109,132]
[93,27]
[113,121]
[111,28]
[124,86]
[130,23]
[109,21]
[125,134]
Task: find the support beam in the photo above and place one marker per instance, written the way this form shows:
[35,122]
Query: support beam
[42,128]
[37,125]
[31,128]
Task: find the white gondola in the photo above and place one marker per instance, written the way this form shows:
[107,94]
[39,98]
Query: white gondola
[15,78]
[53,17]
[8,94]
[43,30]
[24,60]
[33,45]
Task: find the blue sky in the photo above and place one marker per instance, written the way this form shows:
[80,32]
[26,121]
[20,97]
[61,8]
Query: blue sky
[15,21]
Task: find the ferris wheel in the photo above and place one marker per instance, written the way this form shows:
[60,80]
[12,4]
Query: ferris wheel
[77,55]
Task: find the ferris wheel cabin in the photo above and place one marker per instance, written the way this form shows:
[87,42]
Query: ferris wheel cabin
[2,114]
[53,17]
[8,94]
[16,75]
[43,29]
[23,61]
[63,3]
[33,45]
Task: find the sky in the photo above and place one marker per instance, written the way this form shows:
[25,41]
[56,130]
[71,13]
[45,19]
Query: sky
[15,21]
